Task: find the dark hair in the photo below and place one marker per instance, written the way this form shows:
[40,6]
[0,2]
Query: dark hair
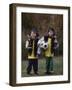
[34,29]
[52,29]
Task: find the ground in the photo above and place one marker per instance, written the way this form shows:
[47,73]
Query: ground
[57,67]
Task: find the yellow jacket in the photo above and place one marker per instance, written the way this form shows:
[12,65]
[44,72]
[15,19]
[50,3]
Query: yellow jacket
[48,52]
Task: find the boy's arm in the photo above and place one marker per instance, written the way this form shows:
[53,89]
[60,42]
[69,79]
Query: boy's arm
[56,44]
[27,45]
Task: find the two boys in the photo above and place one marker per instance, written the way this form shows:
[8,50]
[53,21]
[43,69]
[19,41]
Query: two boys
[32,46]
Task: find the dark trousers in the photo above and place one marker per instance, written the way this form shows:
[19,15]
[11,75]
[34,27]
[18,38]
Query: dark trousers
[32,63]
[49,64]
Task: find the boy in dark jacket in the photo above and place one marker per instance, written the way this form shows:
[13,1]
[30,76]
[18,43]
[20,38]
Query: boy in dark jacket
[31,45]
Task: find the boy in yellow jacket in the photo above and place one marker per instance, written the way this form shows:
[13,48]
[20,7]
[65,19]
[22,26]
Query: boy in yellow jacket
[49,52]
[31,45]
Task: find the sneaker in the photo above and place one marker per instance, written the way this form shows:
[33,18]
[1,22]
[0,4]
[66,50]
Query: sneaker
[28,73]
[51,72]
[36,73]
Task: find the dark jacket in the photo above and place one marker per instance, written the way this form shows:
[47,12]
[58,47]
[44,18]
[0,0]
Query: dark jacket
[31,45]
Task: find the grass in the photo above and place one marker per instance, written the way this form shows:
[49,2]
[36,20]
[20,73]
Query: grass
[57,67]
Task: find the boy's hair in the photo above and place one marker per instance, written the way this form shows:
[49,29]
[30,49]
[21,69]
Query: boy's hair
[34,29]
[52,29]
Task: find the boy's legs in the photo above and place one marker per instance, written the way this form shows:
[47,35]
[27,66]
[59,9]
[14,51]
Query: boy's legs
[51,64]
[47,64]
[35,66]
[29,68]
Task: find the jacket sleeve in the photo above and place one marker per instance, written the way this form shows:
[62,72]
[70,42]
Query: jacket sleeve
[27,44]
[56,44]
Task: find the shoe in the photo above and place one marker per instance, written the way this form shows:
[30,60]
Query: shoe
[28,73]
[46,72]
[49,73]
[36,73]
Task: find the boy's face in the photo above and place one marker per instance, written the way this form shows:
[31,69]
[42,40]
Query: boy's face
[33,35]
[50,33]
